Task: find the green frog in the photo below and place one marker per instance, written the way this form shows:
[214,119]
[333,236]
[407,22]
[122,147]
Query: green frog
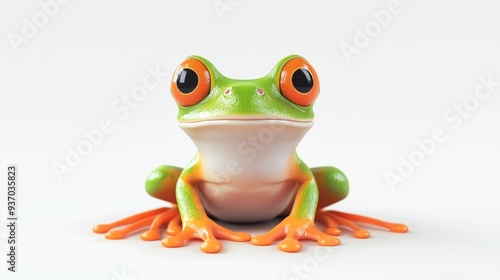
[246,168]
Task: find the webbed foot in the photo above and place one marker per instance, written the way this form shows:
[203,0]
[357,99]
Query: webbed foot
[206,230]
[332,220]
[155,219]
[293,229]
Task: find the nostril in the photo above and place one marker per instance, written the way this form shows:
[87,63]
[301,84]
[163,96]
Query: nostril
[259,91]
[228,91]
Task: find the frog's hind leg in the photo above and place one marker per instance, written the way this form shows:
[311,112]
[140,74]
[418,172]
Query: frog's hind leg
[133,223]
[333,186]
[348,220]
[358,232]
[160,184]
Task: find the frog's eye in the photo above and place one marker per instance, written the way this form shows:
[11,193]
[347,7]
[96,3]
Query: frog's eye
[298,82]
[190,82]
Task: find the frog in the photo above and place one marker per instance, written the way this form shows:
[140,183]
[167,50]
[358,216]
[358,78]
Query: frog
[246,170]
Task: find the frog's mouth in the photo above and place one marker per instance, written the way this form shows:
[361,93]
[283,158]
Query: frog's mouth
[246,121]
[266,130]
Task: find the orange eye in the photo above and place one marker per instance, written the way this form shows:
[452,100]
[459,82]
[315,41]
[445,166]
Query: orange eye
[299,82]
[190,82]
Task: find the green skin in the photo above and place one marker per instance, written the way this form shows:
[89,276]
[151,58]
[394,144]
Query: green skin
[318,187]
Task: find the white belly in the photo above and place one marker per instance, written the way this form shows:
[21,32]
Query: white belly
[247,202]
[246,166]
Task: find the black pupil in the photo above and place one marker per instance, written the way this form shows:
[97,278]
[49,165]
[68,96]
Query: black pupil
[302,80]
[187,80]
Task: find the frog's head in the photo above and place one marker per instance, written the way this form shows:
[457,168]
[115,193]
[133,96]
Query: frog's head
[223,114]
[204,94]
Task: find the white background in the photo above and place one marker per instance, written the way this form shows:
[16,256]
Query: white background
[371,110]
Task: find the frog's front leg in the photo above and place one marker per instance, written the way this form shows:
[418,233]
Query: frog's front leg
[300,222]
[195,222]
[333,187]
[160,184]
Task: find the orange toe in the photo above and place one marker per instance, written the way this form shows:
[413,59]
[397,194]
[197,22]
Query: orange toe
[290,245]
[172,242]
[361,233]
[151,235]
[175,225]
[399,228]
[328,241]
[174,230]
[333,231]
[211,246]
[115,234]
[103,228]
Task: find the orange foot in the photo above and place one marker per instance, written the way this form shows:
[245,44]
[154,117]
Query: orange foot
[206,230]
[154,218]
[294,229]
[332,219]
